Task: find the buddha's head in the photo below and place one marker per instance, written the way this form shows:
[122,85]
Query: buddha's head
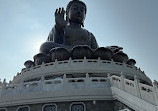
[76,12]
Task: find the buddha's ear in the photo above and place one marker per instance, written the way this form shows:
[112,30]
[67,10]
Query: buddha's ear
[82,24]
[67,19]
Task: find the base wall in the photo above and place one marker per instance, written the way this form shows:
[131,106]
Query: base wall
[89,106]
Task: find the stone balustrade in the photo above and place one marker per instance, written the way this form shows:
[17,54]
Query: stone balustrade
[142,91]
[81,65]
[55,84]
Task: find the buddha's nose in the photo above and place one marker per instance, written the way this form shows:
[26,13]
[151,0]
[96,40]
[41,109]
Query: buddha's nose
[78,12]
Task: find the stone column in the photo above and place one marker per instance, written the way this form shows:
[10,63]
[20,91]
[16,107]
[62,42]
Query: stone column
[55,63]
[70,60]
[84,62]
[21,85]
[112,63]
[42,83]
[87,82]
[99,62]
[3,87]
[122,81]
[64,84]
[123,66]
[155,92]
[109,80]
[136,81]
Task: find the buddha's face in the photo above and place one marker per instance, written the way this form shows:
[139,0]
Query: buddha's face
[77,13]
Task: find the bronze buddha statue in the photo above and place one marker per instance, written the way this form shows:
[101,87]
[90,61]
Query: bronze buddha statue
[70,32]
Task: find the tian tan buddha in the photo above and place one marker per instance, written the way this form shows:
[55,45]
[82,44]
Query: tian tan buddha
[70,32]
[68,39]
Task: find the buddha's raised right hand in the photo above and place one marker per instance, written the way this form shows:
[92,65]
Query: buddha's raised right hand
[59,18]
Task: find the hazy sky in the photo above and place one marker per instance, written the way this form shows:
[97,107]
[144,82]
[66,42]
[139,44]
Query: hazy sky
[131,24]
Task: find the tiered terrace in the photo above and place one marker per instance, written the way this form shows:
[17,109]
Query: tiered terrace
[112,86]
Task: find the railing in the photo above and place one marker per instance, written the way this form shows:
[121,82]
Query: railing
[55,84]
[111,65]
[130,87]
[147,93]
[142,91]
[116,81]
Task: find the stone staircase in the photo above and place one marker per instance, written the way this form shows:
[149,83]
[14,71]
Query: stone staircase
[138,96]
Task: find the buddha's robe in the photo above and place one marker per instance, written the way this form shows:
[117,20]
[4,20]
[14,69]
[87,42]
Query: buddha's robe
[72,37]
[68,38]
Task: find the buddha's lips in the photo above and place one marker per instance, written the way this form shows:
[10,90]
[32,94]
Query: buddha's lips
[78,15]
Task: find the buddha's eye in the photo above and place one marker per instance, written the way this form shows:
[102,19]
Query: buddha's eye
[82,10]
[74,8]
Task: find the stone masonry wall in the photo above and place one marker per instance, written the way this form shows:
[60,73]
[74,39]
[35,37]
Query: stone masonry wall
[90,106]
[65,106]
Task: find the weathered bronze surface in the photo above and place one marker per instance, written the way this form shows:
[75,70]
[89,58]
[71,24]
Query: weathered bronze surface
[40,58]
[120,57]
[79,52]
[70,32]
[68,39]
[103,53]
[29,64]
[131,62]
[59,54]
